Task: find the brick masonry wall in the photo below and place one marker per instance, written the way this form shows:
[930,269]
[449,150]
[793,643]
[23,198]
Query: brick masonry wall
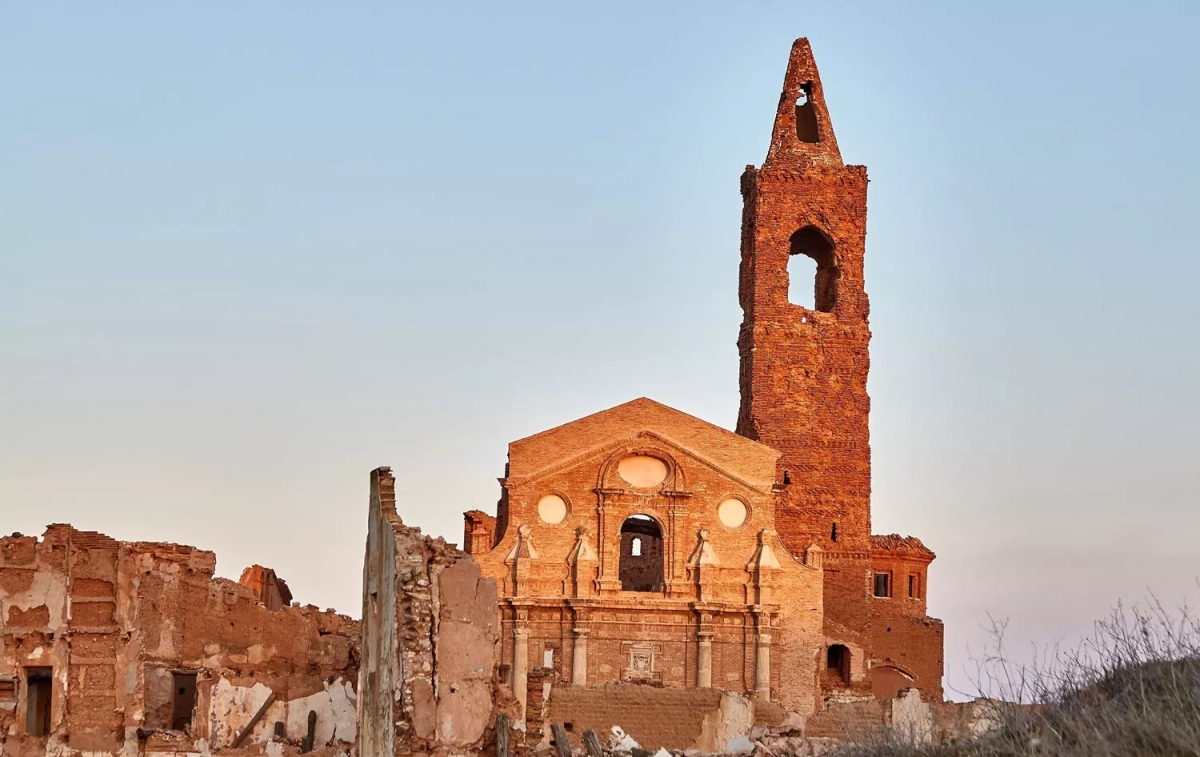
[654,717]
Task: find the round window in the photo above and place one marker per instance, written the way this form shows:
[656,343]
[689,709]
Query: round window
[642,470]
[552,509]
[732,513]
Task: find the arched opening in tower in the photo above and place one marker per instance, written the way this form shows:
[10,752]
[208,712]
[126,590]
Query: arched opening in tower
[641,566]
[811,258]
[806,116]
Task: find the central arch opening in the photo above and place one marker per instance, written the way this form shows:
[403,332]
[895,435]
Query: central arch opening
[641,566]
[811,258]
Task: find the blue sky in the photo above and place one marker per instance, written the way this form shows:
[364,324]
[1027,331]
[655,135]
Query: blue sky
[249,252]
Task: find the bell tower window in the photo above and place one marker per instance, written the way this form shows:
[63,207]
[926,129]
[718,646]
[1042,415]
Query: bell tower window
[810,258]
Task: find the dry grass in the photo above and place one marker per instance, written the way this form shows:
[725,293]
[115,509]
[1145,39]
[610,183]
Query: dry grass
[1133,688]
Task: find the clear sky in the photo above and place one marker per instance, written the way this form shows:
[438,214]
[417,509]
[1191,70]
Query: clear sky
[250,251]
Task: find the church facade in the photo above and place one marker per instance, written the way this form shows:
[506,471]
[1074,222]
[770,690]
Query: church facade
[642,544]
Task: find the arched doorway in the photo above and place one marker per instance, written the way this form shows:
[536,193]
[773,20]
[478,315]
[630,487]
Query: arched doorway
[641,565]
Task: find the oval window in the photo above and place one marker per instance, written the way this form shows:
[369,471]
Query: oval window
[642,470]
[732,513]
[552,509]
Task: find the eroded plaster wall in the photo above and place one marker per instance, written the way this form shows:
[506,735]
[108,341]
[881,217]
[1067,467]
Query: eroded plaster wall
[431,683]
[124,627]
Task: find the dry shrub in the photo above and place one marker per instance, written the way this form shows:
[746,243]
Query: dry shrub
[1131,689]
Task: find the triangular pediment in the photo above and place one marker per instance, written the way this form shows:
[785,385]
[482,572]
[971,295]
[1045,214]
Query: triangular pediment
[743,459]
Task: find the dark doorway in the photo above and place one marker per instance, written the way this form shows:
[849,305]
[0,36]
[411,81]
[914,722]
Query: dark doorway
[837,661]
[641,554]
[184,701]
[39,687]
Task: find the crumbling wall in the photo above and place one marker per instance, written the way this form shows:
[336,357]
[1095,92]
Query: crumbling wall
[431,683]
[241,651]
[149,652]
[680,719]
[33,634]
[905,718]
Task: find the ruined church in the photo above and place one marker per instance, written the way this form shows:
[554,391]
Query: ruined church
[641,543]
[641,559]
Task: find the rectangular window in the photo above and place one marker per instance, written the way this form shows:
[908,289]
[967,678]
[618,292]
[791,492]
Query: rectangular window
[184,701]
[39,688]
[914,587]
[883,584]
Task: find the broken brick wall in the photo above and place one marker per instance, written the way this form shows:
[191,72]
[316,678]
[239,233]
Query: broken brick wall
[121,627]
[430,682]
[681,719]
[905,717]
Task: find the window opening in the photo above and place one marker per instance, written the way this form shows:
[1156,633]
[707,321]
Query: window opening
[806,116]
[184,702]
[811,259]
[883,584]
[833,533]
[641,565]
[914,587]
[548,658]
[39,687]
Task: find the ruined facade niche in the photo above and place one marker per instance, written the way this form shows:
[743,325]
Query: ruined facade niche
[887,682]
[811,259]
[184,701]
[837,661]
[39,687]
[806,116]
[641,554]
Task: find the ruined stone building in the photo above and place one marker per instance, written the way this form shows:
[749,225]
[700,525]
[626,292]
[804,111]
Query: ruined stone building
[641,545]
[134,648]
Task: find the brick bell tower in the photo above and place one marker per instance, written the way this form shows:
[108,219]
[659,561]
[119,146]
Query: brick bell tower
[804,368]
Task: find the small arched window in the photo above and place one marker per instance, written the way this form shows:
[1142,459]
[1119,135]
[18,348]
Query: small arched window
[811,258]
[806,116]
[635,547]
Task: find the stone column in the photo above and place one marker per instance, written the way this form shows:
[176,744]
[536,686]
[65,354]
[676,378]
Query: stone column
[579,657]
[520,670]
[609,581]
[762,666]
[704,659]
